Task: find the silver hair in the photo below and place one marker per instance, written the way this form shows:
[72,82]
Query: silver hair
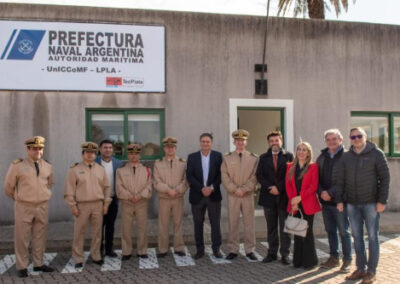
[333,131]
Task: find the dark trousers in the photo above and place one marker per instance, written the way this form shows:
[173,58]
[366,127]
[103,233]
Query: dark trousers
[276,217]
[107,232]
[214,214]
[304,254]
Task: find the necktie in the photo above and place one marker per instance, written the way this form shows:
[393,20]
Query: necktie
[240,155]
[37,168]
[134,170]
[90,166]
[275,160]
[171,163]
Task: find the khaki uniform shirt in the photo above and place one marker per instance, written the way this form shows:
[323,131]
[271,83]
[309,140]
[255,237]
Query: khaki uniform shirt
[239,172]
[170,175]
[84,185]
[129,183]
[23,184]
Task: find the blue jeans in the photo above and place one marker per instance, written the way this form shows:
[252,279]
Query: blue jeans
[334,221]
[360,214]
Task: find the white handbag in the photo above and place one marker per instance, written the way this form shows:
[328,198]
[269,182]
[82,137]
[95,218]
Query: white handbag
[296,226]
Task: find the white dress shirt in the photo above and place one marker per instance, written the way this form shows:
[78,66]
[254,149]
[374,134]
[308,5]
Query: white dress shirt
[205,164]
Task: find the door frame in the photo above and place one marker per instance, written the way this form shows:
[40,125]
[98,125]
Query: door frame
[286,105]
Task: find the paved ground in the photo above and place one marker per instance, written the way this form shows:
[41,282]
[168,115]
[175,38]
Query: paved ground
[206,270]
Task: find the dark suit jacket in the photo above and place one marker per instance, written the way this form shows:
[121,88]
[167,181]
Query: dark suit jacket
[194,175]
[266,177]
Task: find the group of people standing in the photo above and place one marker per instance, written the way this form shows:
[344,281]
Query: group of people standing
[351,187]
[350,184]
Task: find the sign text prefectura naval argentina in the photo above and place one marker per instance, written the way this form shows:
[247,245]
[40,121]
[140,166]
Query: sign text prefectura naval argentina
[95,47]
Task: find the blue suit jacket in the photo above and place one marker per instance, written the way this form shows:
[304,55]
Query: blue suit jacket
[194,175]
[116,164]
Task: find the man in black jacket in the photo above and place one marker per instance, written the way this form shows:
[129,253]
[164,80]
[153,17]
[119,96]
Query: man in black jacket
[363,183]
[334,220]
[271,173]
[204,176]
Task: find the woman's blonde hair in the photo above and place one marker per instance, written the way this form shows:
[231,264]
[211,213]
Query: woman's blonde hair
[296,160]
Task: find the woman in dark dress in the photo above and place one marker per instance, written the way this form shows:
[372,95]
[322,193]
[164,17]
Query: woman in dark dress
[301,187]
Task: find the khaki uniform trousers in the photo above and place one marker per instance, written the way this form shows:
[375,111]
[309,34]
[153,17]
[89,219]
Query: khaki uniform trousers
[30,219]
[245,205]
[139,212]
[165,208]
[88,212]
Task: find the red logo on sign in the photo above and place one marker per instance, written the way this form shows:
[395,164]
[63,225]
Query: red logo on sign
[114,81]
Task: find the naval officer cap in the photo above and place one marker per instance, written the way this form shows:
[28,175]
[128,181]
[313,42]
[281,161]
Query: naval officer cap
[35,142]
[89,147]
[134,148]
[170,141]
[240,134]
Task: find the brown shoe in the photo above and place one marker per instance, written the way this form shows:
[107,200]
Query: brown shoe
[357,274]
[345,266]
[330,263]
[368,278]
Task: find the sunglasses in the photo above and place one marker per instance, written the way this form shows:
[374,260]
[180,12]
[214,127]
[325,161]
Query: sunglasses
[353,137]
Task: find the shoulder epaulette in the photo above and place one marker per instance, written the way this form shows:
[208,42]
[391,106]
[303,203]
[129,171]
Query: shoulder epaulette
[227,154]
[74,165]
[46,161]
[182,160]
[255,155]
[16,161]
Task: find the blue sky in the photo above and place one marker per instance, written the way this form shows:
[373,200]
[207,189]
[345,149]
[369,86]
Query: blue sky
[360,11]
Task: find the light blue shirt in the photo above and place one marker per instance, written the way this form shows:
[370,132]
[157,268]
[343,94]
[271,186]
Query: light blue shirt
[205,164]
[337,151]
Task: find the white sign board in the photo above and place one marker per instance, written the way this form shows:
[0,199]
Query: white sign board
[81,57]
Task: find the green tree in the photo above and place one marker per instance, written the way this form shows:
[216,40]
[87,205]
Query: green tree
[314,8]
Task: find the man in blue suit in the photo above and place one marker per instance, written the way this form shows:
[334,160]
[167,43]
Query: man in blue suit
[204,177]
[111,165]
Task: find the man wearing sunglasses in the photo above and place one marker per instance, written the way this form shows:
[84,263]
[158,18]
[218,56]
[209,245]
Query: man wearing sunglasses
[363,183]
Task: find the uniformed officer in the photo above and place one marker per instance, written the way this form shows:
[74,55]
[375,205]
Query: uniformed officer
[170,183]
[238,173]
[134,188]
[87,192]
[28,183]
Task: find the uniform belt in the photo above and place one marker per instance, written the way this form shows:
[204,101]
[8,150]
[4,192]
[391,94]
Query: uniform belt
[92,201]
[33,204]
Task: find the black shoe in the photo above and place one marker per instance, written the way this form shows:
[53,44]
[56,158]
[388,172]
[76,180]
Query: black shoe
[111,254]
[142,255]
[251,256]
[43,268]
[217,254]
[198,255]
[285,260]
[79,265]
[269,258]
[164,254]
[23,273]
[180,253]
[98,262]
[126,257]
[231,255]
